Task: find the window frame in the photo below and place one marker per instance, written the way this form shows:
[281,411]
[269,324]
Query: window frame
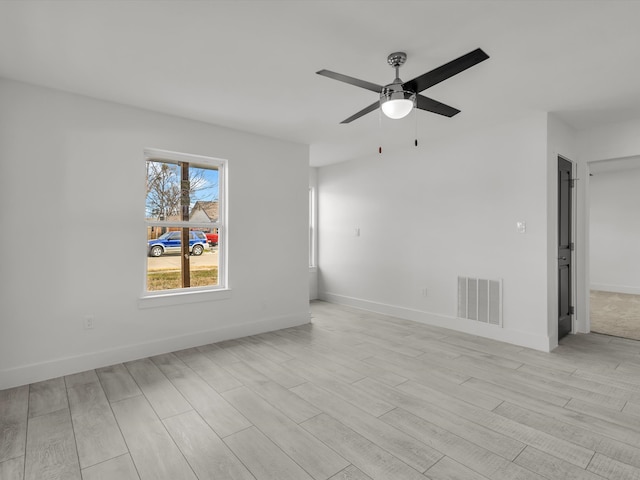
[313,252]
[185,295]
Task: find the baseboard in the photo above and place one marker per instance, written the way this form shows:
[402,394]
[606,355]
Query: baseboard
[26,374]
[494,332]
[615,288]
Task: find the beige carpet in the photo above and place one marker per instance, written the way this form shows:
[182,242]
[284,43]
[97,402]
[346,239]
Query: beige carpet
[615,314]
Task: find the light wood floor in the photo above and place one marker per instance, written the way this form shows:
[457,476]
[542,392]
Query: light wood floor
[353,395]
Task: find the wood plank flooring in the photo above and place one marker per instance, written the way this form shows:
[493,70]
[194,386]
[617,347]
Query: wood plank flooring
[352,396]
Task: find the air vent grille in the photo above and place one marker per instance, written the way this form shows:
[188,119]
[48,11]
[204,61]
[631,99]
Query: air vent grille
[480,299]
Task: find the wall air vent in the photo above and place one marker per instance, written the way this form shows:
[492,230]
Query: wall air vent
[480,299]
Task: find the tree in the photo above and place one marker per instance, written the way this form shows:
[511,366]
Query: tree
[163,188]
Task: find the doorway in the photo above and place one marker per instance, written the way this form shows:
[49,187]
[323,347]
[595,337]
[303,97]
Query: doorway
[614,236]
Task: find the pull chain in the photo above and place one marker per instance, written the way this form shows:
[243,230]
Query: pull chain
[415,115]
[380,125]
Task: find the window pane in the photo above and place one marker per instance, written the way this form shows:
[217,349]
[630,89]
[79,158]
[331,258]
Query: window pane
[204,194]
[170,199]
[163,191]
[164,258]
[312,224]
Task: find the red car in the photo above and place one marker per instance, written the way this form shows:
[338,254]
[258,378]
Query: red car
[212,238]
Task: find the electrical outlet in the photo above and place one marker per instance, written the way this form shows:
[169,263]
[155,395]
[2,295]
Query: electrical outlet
[89,322]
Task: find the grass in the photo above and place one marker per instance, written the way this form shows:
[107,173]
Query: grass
[172,279]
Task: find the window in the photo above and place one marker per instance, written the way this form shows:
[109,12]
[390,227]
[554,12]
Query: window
[312,228]
[185,223]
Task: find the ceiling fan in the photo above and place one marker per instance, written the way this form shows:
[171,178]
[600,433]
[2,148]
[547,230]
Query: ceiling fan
[398,98]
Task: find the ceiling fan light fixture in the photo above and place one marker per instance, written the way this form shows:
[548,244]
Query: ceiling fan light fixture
[398,108]
[395,102]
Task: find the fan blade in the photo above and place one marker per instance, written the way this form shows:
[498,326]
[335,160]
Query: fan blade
[362,112]
[445,71]
[431,105]
[353,81]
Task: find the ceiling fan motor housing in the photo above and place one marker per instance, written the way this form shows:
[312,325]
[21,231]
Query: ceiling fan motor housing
[394,91]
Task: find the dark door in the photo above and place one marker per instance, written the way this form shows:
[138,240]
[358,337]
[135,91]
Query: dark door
[565,309]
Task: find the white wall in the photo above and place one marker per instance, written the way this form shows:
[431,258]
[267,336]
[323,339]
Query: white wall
[429,214]
[615,231]
[612,141]
[72,203]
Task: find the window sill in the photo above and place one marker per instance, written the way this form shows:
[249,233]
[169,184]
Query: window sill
[182,298]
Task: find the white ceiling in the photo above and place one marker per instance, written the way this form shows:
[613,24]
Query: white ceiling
[251,65]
